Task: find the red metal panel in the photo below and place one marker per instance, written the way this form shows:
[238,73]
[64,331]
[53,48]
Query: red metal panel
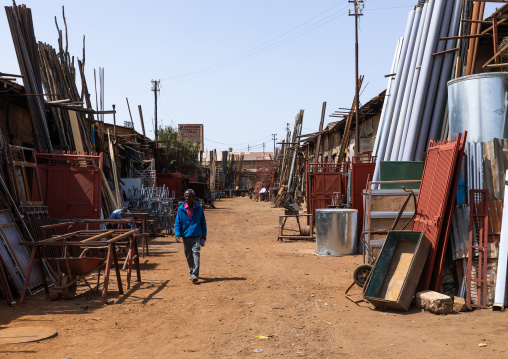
[362,169]
[71,185]
[323,179]
[437,277]
[436,192]
[173,181]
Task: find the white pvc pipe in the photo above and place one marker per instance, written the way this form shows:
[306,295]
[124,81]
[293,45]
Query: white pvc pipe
[437,114]
[416,77]
[409,86]
[388,94]
[389,111]
[423,137]
[402,84]
[500,297]
[423,82]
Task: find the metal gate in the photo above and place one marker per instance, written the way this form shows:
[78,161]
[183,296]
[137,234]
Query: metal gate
[71,185]
[323,180]
[362,170]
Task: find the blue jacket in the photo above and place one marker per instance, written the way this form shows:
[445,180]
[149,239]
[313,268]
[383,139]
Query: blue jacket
[193,227]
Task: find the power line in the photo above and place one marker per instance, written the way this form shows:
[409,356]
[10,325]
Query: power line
[251,50]
[215,68]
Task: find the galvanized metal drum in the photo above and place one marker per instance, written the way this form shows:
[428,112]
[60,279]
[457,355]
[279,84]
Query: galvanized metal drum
[478,105]
[336,231]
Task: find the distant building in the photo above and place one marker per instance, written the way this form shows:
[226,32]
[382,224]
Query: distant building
[192,133]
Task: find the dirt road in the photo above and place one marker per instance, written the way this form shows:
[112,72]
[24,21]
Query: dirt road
[255,293]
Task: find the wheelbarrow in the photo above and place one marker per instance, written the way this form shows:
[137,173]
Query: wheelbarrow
[72,269]
[362,272]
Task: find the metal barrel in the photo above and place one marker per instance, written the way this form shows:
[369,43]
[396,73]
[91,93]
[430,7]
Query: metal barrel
[478,104]
[336,231]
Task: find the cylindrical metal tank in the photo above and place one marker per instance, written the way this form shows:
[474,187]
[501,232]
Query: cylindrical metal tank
[477,104]
[336,231]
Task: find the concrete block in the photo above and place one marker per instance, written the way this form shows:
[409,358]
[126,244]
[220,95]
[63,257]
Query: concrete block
[434,302]
[459,304]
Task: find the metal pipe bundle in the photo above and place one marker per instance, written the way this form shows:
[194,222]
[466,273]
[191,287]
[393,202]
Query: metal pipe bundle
[414,113]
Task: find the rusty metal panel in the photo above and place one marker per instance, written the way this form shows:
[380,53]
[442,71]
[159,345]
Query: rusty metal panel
[323,179]
[478,240]
[440,174]
[71,185]
[16,256]
[362,170]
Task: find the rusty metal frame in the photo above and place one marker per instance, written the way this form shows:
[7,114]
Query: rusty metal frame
[478,246]
[92,239]
[282,222]
[17,163]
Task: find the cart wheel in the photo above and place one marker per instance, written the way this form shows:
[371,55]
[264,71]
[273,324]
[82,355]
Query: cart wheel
[70,291]
[361,274]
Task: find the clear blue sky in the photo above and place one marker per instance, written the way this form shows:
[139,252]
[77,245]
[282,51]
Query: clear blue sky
[284,56]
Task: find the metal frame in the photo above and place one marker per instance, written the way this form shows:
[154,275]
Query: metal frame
[18,162]
[368,230]
[110,239]
[478,243]
[282,223]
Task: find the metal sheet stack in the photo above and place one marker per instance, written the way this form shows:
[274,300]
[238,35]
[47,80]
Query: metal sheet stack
[416,93]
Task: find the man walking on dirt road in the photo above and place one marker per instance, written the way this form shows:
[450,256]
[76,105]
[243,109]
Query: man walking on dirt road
[190,225]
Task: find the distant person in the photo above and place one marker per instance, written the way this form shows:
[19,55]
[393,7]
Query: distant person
[190,226]
[117,214]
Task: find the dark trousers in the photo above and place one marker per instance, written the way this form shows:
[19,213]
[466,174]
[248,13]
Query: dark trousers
[191,246]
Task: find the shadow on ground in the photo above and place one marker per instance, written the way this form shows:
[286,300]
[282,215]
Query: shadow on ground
[204,280]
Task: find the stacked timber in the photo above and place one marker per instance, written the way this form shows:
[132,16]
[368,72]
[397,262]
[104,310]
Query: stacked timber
[23,36]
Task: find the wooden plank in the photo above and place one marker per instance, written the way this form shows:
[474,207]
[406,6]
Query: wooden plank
[76,134]
[390,203]
[141,118]
[115,175]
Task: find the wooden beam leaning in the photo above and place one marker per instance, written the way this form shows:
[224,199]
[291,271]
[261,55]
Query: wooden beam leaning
[115,175]
[141,118]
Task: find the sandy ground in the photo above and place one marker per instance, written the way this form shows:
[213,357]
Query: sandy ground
[254,293]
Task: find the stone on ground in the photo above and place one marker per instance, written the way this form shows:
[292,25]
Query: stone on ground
[459,304]
[434,302]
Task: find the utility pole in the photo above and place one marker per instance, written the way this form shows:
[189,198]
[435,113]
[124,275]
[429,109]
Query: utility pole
[264,145]
[248,148]
[359,5]
[155,89]
[274,138]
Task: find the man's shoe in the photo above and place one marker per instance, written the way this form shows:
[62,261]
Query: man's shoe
[194,279]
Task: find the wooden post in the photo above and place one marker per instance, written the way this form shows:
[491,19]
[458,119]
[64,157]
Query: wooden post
[106,275]
[117,270]
[141,118]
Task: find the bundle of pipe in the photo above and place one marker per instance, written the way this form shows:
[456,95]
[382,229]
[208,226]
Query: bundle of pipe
[23,37]
[417,89]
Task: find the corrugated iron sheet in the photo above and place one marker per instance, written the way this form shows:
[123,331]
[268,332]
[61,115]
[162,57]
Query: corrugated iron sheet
[436,202]
[16,256]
